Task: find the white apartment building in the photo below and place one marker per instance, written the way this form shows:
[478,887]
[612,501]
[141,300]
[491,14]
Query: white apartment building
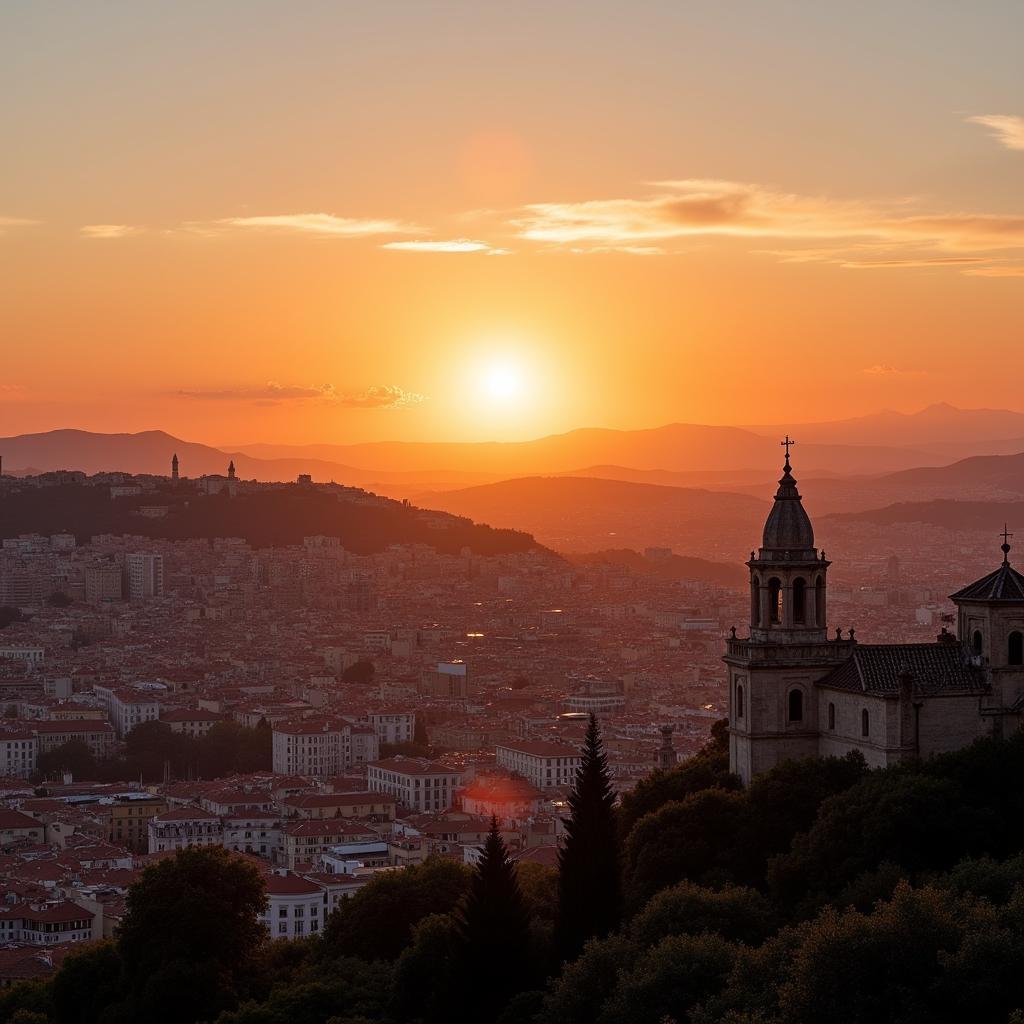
[546,765]
[33,655]
[296,906]
[321,746]
[145,575]
[417,784]
[46,924]
[393,726]
[184,827]
[18,753]
[128,706]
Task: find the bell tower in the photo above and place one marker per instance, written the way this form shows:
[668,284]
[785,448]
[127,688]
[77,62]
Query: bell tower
[773,712]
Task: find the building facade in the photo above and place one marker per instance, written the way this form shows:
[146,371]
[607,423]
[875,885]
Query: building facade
[795,691]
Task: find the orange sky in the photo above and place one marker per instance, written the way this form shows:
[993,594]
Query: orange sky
[465,221]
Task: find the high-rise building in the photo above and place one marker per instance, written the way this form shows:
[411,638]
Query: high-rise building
[145,575]
[103,582]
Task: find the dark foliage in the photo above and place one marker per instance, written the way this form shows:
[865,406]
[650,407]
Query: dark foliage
[589,886]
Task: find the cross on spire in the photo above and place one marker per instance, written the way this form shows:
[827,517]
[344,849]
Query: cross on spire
[1006,535]
[787,444]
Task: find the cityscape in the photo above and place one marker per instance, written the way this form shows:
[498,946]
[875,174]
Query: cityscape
[511,515]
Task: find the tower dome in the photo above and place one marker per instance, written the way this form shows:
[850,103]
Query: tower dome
[788,527]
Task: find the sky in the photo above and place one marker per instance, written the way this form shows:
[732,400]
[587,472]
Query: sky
[332,222]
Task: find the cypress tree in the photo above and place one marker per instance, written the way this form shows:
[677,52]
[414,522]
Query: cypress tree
[589,881]
[494,932]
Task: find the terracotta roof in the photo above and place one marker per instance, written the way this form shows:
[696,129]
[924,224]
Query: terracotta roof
[1005,584]
[876,668]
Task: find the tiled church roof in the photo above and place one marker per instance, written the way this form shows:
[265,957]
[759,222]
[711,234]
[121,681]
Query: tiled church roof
[1005,584]
[936,668]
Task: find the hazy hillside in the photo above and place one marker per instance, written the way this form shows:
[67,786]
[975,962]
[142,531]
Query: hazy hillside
[675,447]
[678,567]
[584,514]
[953,515]
[270,518]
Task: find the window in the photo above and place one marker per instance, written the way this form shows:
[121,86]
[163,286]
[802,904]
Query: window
[819,602]
[831,716]
[1015,649]
[775,599]
[865,723]
[796,705]
[799,600]
[976,641]
[739,701]
[755,601]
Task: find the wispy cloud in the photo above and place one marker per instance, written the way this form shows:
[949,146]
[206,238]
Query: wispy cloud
[325,225]
[884,370]
[995,271]
[693,208]
[454,245]
[15,222]
[108,230]
[937,261]
[377,396]
[1007,129]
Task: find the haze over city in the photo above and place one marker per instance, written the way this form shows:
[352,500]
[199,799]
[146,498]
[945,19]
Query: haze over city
[510,514]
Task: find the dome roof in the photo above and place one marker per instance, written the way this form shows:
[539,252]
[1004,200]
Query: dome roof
[1005,584]
[788,527]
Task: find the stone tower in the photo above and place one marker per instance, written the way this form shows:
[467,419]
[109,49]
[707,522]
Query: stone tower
[990,625]
[773,713]
[667,756]
[174,468]
[231,470]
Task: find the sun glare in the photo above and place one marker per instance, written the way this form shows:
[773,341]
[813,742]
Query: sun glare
[502,382]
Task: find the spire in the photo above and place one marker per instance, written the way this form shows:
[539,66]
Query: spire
[1005,546]
[174,466]
[788,527]
[231,470]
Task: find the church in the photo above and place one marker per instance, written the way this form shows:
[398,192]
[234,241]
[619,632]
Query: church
[795,691]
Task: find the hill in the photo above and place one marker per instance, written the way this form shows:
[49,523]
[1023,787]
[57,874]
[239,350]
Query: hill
[269,518]
[677,567]
[585,514]
[944,512]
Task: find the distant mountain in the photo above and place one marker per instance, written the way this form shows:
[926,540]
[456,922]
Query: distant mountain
[677,447]
[953,515]
[585,514]
[677,567]
[940,427]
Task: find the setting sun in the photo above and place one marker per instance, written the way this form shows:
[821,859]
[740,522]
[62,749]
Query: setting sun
[503,381]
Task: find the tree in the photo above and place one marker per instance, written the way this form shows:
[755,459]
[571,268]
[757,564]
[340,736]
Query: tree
[73,756]
[151,744]
[190,934]
[361,671]
[493,928]
[377,922]
[89,980]
[707,769]
[589,886]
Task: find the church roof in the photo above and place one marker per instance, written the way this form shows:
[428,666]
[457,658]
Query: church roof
[936,668]
[1005,584]
[788,527]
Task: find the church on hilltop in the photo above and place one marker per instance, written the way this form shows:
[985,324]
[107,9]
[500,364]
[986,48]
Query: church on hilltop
[795,691]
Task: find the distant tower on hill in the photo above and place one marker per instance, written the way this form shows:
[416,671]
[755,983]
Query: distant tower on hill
[231,470]
[174,468]
[667,756]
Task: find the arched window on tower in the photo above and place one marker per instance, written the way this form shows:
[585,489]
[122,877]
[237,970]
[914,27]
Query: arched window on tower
[800,600]
[796,705]
[865,723]
[1015,648]
[831,715]
[755,601]
[775,599]
[976,642]
[739,701]
[819,602]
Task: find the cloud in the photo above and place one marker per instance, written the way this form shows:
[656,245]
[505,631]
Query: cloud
[883,370]
[446,245]
[694,208]
[1007,129]
[377,396]
[937,261]
[324,225]
[995,271]
[15,222]
[108,230]
[381,396]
